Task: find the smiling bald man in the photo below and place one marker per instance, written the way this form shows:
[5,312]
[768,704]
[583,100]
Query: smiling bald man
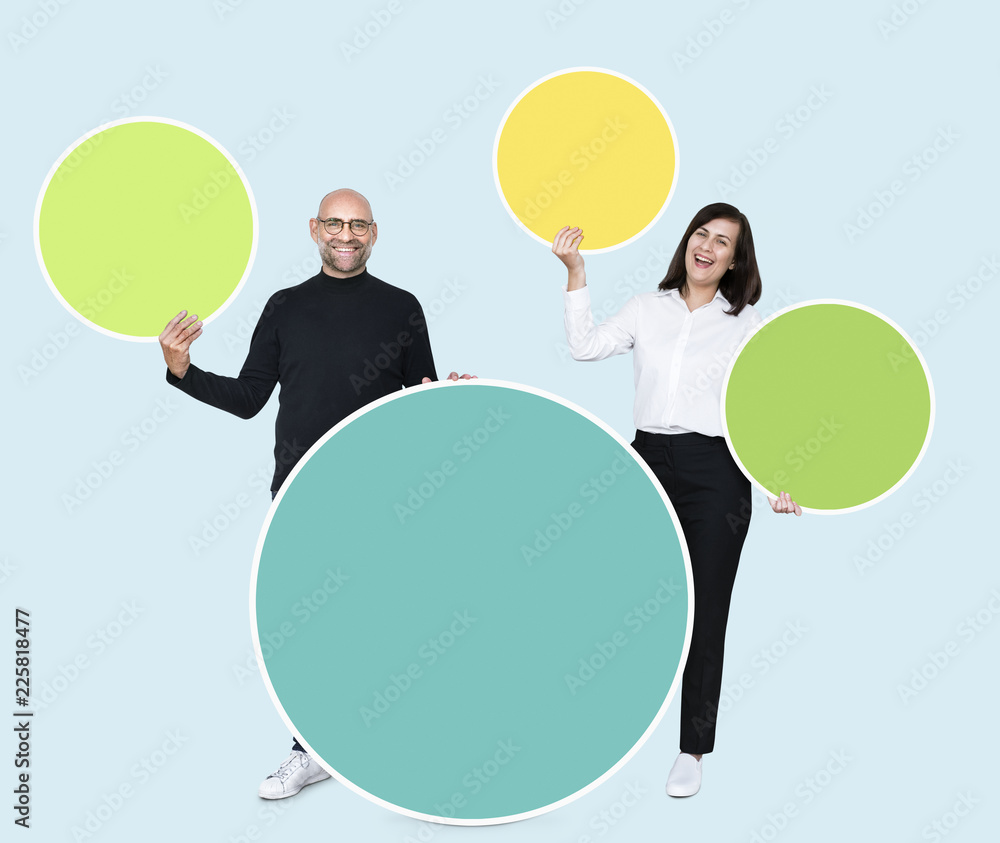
[335,343]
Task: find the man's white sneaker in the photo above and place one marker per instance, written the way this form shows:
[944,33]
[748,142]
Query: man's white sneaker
[295,772]
[685,776]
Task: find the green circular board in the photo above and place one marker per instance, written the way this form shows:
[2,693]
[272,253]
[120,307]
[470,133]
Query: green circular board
[830,402]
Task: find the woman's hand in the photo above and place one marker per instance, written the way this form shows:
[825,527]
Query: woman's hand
[566,247]
[454,376]
[784,503]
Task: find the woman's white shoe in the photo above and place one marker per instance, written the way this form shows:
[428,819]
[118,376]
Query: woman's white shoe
[685,776]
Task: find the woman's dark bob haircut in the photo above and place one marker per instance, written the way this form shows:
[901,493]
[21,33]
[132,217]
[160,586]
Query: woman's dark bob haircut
[741,284]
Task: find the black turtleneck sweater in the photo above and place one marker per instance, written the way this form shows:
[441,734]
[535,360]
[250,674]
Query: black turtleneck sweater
[334,345]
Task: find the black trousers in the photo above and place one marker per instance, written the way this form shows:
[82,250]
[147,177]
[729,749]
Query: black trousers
[295,740]
[712,500]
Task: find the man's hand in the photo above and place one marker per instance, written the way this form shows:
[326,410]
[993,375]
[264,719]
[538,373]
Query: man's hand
[176,339]
[566,247]
[453,377]
[785,504]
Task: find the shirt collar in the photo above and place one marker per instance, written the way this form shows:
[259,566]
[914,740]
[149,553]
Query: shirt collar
[341,285]
[675,293]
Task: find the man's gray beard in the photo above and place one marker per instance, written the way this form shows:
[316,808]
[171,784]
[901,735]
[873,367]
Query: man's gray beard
[328,257]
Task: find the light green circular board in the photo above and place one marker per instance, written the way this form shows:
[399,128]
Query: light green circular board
[140,219]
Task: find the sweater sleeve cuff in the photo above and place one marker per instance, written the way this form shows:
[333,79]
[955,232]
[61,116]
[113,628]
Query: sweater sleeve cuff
[184,383]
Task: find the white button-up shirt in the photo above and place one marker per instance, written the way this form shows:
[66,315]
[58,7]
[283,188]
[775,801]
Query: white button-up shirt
[681,356]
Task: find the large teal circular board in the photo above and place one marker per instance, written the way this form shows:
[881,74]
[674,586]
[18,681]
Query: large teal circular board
[471,602]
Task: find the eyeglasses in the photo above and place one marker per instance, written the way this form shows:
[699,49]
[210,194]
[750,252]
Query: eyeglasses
[335,226]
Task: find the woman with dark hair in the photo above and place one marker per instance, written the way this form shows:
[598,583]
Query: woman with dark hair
[683,336]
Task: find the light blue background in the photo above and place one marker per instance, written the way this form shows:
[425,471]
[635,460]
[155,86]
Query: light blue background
[171,676]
